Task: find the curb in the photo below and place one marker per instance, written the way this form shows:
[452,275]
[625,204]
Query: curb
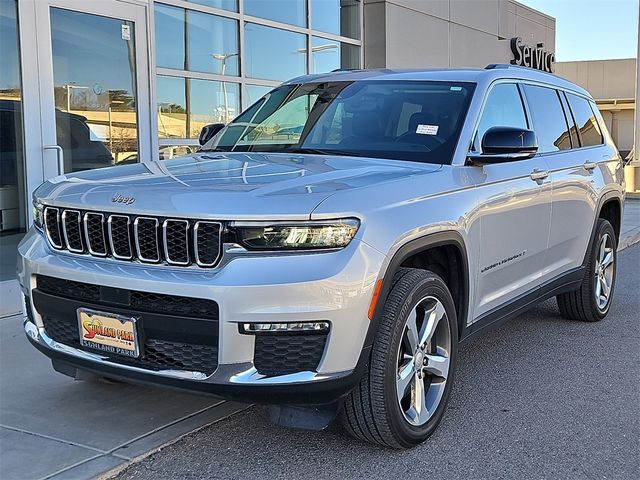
[115,471]
[629,240]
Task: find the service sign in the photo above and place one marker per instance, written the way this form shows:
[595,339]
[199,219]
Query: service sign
[532,57]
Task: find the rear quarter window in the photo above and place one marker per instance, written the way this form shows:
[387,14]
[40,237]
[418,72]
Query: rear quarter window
[588,127]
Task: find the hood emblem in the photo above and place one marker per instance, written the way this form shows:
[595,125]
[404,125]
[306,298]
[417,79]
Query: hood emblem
[117,198]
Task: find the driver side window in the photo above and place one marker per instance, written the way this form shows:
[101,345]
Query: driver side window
[503,108]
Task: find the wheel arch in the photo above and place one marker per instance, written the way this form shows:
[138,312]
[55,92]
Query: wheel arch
[608,204]
[611,210]
[445,250]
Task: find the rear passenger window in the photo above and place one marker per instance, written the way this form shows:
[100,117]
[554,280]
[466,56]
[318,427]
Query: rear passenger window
[503,108]
[548,119]
[570,120]
[588,128]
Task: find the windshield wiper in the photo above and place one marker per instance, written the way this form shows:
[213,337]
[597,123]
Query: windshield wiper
[320,151]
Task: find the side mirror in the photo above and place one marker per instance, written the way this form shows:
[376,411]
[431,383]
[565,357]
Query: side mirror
[505,144]
[209,131]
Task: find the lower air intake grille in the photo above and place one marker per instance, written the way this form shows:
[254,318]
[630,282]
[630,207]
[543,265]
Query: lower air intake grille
[175,332]
[283,354]
[158,354]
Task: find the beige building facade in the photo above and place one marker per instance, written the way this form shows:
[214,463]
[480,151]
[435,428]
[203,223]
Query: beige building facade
[450,33]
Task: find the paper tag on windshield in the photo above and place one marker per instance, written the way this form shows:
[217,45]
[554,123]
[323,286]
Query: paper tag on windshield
[427,129]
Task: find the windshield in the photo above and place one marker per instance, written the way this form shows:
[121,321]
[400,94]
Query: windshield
[404,120]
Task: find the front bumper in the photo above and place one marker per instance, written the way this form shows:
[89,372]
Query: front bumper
[334,287]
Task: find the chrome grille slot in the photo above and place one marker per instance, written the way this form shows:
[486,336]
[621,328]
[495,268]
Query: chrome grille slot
[120,237]
[170,241]
[175,238]
[72,230]
[145,232]
[52,226]
[94,234]
[206,239]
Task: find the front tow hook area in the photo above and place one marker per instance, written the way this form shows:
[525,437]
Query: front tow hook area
[311,417]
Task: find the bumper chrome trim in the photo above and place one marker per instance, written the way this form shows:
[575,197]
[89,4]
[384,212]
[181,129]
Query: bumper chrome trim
[226,374]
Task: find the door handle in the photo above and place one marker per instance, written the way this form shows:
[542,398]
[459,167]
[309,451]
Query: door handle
[59,156]
[590,166]
[538,174]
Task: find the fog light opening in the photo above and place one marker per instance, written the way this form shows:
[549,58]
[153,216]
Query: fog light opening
[297,327]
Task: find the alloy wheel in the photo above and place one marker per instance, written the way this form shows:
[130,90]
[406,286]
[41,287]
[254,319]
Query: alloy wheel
[604,272]
[423,361]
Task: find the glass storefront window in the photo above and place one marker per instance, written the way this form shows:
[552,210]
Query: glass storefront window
[231,5]
[285,11]
[325,54]
[12,182]
[172,107]
[328,55]
[340,17]
[185,105]
[169,36]
[212,44]
[94,89]
[211,102]
[274,54]
[253,93]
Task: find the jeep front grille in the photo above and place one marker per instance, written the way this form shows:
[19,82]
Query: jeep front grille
[173,241]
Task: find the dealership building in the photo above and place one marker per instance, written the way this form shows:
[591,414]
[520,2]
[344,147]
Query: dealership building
[90,84]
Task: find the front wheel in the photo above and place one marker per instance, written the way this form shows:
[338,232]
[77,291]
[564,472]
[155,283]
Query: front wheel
[591,302]
[402,397]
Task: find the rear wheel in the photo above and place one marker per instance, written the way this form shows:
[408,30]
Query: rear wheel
[403,395]
[591,302]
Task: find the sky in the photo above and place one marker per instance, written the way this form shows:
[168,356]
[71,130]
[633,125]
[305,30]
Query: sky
[592,29]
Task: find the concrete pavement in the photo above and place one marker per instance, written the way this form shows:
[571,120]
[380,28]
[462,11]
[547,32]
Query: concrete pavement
[54,427]
[630,228]
[541,397]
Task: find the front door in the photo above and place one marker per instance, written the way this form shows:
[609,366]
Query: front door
[514,207]
[94,84]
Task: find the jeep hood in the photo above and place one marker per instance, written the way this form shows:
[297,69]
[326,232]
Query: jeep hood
[224,185]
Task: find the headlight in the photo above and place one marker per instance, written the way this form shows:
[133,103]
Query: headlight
[298,236]
[37,213]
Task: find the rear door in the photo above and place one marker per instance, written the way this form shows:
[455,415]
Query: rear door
[572,155]
[514,209]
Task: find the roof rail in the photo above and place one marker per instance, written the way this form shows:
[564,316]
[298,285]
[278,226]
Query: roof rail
[344,70]
[493,66]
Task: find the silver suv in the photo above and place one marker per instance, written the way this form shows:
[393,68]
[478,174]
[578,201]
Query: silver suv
[329,250]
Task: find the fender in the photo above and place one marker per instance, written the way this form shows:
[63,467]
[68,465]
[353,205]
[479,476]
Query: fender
[449,237]
[611,194]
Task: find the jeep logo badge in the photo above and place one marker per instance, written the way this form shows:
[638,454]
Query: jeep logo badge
[117,198]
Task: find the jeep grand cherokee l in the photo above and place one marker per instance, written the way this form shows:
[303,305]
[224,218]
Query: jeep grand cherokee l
[328,250]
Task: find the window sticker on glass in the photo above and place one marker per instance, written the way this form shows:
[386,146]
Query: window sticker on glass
[427,129]
[126,33]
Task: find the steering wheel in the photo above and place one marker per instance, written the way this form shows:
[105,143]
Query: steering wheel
[429,141]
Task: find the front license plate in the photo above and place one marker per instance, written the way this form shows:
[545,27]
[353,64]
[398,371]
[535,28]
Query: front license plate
[108,332]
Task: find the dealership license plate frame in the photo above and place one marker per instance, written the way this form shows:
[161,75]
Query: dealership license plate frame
[110,319]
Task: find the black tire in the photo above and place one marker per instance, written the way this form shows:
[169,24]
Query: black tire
[371,412]
[581,304]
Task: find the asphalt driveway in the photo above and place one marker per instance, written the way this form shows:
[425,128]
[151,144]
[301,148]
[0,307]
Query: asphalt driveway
[541,397]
